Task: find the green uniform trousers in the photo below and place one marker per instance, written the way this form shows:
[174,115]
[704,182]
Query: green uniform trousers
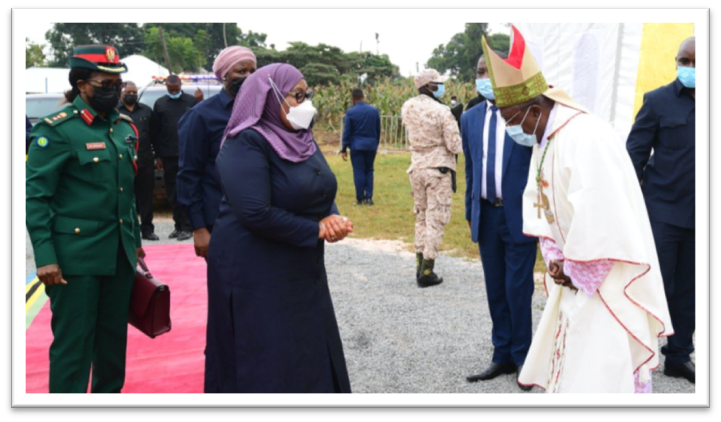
[90,329]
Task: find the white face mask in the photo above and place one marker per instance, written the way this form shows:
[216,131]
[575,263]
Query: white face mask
[301,116]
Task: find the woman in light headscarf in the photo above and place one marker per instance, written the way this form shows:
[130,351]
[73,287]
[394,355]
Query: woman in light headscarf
[200,132]
[276,331]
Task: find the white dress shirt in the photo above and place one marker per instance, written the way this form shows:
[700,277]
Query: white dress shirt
[500,141]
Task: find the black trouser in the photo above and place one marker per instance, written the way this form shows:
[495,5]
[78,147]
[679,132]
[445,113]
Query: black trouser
[676,247]
[144,188]
[170,172]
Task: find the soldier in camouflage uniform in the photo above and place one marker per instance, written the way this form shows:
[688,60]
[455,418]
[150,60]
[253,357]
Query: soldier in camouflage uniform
[435,140]
[83,224]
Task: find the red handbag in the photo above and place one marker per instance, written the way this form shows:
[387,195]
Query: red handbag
[149,303]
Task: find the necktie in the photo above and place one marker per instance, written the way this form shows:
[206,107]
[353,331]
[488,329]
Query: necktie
[491,157]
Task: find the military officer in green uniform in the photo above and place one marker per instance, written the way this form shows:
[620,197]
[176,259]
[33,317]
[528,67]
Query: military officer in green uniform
[83,224]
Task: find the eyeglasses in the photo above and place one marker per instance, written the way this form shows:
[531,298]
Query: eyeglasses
[109,84]
[301,96]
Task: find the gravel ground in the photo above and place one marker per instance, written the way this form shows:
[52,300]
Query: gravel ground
[399,338]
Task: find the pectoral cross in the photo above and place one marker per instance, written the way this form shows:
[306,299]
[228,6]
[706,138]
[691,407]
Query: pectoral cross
[538,204]
[542,202]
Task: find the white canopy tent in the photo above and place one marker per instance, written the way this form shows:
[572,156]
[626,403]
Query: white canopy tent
[46,80]
[141,70]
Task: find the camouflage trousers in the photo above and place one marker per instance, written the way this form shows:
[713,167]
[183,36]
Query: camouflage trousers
[433,195]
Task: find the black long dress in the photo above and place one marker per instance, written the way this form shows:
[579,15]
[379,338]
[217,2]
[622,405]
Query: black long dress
[272,327]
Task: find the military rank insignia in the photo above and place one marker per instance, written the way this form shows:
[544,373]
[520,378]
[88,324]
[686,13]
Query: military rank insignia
[42,142]
[61,115]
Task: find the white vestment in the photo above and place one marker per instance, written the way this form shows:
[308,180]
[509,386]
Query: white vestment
[595,212]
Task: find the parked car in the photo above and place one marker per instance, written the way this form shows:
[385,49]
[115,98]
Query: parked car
[156,89]
[38,106]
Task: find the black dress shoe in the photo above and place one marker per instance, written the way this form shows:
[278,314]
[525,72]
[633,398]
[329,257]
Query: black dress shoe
[150,236]
[686,370]
[493,370]
[174,234]
[369,202]
[522,386]
[184,236]
[361,202]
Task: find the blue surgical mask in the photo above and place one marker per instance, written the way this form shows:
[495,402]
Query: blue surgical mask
[175,96]
[441,90]
[518,135]
[484,87]
[687,76]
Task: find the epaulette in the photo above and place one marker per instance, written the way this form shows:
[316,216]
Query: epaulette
[66,114]
[126,118]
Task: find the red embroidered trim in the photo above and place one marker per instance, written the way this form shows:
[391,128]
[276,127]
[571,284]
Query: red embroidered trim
[660,333]
[135,129]
[531,385]
[564,125]
[629,333]
[87,117]
[137,138]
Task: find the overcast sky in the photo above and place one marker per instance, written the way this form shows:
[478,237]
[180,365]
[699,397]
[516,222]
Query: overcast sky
[407,43]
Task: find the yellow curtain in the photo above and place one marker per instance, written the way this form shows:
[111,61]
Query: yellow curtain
[656,66]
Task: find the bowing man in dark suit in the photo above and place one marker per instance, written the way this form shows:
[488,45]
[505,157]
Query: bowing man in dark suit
[666,125]
[496,176]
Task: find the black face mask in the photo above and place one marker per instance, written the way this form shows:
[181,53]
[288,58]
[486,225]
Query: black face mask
[235,85]
[104,99]
[130,99]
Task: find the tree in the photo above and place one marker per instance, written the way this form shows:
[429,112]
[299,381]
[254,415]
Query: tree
[183,51]
[209,39]
[500,42]
[461,54]
[34,56]
[126,37]
[324,64]
[320,74]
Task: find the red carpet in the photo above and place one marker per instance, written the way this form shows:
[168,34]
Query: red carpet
[170,363]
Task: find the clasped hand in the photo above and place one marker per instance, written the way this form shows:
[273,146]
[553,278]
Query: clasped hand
[555,270]
[335,228]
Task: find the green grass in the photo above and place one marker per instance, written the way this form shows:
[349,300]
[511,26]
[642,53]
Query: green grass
[392,216]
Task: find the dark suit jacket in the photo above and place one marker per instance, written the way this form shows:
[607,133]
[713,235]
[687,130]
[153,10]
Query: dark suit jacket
[362,128]
[166,115]
[666,124]
[516,161]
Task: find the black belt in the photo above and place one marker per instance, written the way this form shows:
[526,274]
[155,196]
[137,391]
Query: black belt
[497,204]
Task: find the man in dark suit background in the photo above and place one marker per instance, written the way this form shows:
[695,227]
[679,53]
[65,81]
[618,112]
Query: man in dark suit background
[362,133]
[665,124]
[167,112]
[496,176]
[142,116]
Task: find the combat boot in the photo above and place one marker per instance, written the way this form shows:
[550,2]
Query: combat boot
[419,264]
[428,277]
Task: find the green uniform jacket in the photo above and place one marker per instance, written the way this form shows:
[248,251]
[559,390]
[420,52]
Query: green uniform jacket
[79,190]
